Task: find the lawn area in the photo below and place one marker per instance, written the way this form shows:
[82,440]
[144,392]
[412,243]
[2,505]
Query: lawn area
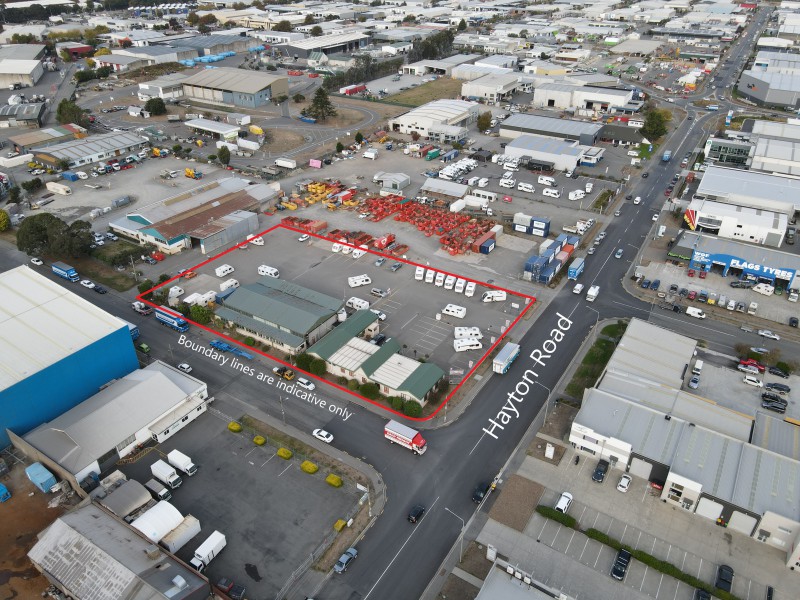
[614,331]
[591,366]
[427,92]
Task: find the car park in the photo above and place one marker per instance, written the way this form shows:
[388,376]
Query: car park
[185,367]
[416,512]
[621,563]
[600,471]
[344,560]
[305,383]
[624,483]
[564,502]
[322,435]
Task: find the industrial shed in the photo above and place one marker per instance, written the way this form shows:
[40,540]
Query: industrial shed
[444,190]
[584,133]
[91,149]
[22,115]
[440,120]
[87,553]
[547,153]
[49,335]
[560,95]
[126,498]
[492,87]
[26,72]
[327,44]
[158,521]
[235,87]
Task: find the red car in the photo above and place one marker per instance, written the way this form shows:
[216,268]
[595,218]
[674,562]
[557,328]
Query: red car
[702,274]
[691,272]
[753,363]
[667,192]
[692,295]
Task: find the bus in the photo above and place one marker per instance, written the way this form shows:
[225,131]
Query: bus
[502,362]
[134,330]
[712,107]
[728,118]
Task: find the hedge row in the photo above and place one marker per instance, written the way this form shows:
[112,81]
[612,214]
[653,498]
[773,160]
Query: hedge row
[552,513]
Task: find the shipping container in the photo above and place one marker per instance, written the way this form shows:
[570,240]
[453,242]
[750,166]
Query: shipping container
[562,257]
[544,246]
[487,246]
[476,245]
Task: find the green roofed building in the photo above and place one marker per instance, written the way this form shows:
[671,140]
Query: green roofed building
[283,314]
[348,353]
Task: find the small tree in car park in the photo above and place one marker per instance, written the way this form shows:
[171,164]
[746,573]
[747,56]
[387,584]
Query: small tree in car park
[224,155]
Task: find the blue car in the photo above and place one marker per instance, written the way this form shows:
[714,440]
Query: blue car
[645,284]
[656,283]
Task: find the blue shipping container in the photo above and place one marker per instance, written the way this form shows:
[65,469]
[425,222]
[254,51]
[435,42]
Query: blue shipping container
[40,477]
[487,246]
[69,176]
[562,239]
[573,240]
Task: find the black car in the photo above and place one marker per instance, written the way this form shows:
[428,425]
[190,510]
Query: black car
[792,321]
[772,397]
[742,283]
[778,372]
[600,471]
[621,564]
[777,407]
[480,492]
[645,175]
[724,578]
[781,388]
[416,513]
[379,339]
[100,289]
[701,594]
[683,293]
[673,289]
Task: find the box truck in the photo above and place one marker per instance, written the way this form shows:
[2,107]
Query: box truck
[575,269]
[182,462]
[592,293]
[64,270]
[286,163]
[207,551]
[58,188]
[506,356]
[397,433]
[166,474]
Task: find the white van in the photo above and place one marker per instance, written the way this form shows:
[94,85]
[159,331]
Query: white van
[552,192]
[255,240]
[493,296]
[544,180]
[419,274]
[469,290]
[430,275]
[483,183]
[439,279]
[358,280]
[577,195]
[460,283]
[633,153]
[468,333]
[267,271]
[223,270]
[226,285]
[507,183]
[698,367]
[695,312]
[525,187]
[465,345]
[336,247]
[357,303]
[453,310]
[449,282]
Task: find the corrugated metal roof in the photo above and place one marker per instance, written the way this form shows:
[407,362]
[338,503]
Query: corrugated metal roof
[233,80]
[41,323]
[545,144]
[522,122]
[125,499]
[96,144]
[445,188]
[741,186]
[333,342]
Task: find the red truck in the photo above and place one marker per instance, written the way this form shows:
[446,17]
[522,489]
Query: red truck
[397,433]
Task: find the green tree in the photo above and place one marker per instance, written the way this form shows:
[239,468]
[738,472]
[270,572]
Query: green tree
[303,361]
[282,26]
[321,107]
[33,236]
[14,195]
[309,20]
[5,221]
[200,314]
[655,125]
[102,52]
[145,286]
[31,185]
[359,137]
[163,278]
[397,403]
[155,106]
[409,19]
[46,233]
[69,112]
[339,146]
[298,98]
[316,31]
[103,72]
[208,19]
[370,390]
[462,25]
[224,155]
[318,367]
[484,120]
[192,19]
[412,409]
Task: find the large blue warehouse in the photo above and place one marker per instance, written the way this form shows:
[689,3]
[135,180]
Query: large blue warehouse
[56,350]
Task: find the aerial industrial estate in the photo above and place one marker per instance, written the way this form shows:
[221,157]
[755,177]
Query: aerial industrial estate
[400,300]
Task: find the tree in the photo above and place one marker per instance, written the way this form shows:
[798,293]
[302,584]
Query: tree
[415,135]
[412,409]
[91,63]
[321,107]
[462,25]
[208,19]
[102,52]
[155,106]
[303,361]
[224,155]
[32,185]
[655,124]
[316,31]
[5,221]
[309,20]
[200,314]
[370,390]
[145,286]
[318,367]
[409,19]
[46,233]
[298,98]
[484,121]
[103,72]
[14,195]
[339,146]
[282,26]
[32,237]
[359,137]
[192,19]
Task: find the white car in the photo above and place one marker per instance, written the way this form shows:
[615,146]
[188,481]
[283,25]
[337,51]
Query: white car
[768,334]
[37,261]
[322,435]
[655,217]
[637,200]
[381,315]
[87,284]
[577,289]
[81,175]
[305,383]
[185,367]
[303,238]
[624,483]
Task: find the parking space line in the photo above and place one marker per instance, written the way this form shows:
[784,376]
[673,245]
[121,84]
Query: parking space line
[644,577]
[660,581]
[286,469]
[269,459]
[586,545]
[544,524]
[251,451]
[599,552]
[569,543]
[552,543]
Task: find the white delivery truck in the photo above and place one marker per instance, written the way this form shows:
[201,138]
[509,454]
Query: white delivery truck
[207,551]
[166,474]
[286,163]
[182,462]
[695,312]
[592,293]
[397,433]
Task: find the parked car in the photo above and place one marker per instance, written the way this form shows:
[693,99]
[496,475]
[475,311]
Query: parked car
[305,383]
[600,471]
[655,285]
[724,578]
[769,334]
[781,388]
[773,397]
[416,513]
[694,382]
[303,238]
[345,559]
[322,435]
[673,289]
[87,284]
[185,367]
[645,284]
[380,261]
[753,363]
[37,261]
[621,564]
[99,289]
[778,372]
[564,502]
[624,483]
[480,492]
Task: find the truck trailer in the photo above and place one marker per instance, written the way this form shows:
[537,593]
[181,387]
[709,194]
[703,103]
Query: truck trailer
[207,551]
[182,462]
[286,163]
[576,268]
[58,188]
[397,433]
[166,474]
[502,362]
[168,317]
[64,270]
[182,534]
[666,156]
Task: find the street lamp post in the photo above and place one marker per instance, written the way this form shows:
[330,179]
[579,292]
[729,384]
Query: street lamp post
[461,536]
[597,320]
[546,400]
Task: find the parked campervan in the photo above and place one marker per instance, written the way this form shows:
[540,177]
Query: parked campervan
[551,192]
[453,310]
[230,283]
[267,271]
[223,270]
[493,296]
[468,333]
[545,180]
[357,303]
[465,345]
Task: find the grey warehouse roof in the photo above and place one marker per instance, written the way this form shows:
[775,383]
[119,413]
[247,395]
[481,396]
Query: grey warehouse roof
[559,126]
[547,145]
[445,188]
[234,80]
[96,144]
[743,187]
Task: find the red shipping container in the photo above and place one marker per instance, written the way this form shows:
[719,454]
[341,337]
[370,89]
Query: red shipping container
[476,245]
[568,248]
[562,256]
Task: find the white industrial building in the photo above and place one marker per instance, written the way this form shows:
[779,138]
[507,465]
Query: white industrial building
[491,88]
[168,87]
[440,120]
[720,464]
[761,191]
[469,72]
[583,132]
[561,95]
[151,404]
[92,149]
[26,72]
[547,153]
[740,223]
